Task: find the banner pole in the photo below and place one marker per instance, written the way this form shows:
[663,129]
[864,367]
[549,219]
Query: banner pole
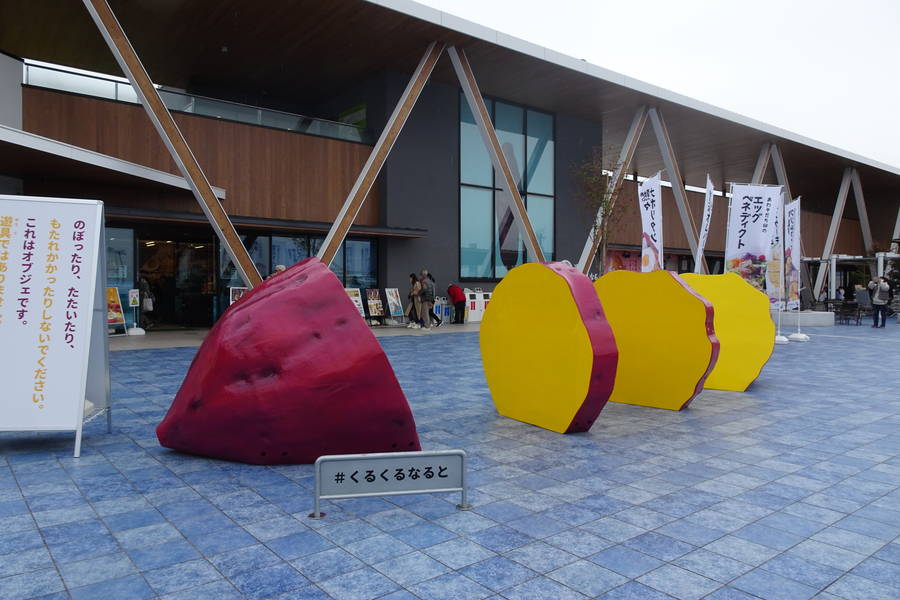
[780,339]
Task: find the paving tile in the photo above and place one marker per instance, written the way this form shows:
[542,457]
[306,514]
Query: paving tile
[809,573]
[379,548]
[587,577]
[299,544]
[773,587]
[853,587]
[679,583]
[25,561]
[268,581]
[94,570]
[216,590]
[541,557]
[327,564]
[745,551]
[541,588]
[181,576]
[659,546]
[132,587]
[880,571]
[30,585]
[625,561]
[827,554]
[500,538]
[361,584]
[411,568]
[458,553]
[153,557]
[244,559]
[498,573]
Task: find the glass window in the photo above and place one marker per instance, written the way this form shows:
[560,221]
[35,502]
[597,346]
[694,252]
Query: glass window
[540,153]
[475,238]
[258,246]
[527,139]
[361,264]
[474,164]
[510,122]
[120,265]
[540,211]
[289,251]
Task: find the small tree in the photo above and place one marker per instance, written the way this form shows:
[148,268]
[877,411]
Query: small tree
[600,202]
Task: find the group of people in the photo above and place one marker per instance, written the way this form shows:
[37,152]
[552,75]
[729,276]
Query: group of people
[420,306]
[880,293]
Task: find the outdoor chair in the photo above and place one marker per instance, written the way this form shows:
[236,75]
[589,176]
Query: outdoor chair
[864,304]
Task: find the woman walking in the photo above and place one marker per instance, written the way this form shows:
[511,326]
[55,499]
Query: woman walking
[414,307]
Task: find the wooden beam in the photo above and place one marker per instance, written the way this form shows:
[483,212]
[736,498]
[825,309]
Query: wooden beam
[379,154]
[483,119]
[172,137]
[681,201]
[762,163]
[828,250]
[626,154]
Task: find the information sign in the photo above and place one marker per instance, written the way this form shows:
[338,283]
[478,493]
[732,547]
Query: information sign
[395,305]
[373,300]
[357,300]
[390,474]
[52,307]
[134,299]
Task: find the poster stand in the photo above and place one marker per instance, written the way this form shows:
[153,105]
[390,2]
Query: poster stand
[54,315]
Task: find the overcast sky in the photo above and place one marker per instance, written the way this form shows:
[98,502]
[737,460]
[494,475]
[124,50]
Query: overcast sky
[826,69]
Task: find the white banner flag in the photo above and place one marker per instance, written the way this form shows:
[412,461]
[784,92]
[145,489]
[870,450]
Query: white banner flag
[748,247]
[775,264]
[704,227]
[792,253]
[650,201]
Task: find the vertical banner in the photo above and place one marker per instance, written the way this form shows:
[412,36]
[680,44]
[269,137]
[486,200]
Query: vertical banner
[792,253]
[704,226]
[49,252]
[650,201]
[775,264]
[748,246]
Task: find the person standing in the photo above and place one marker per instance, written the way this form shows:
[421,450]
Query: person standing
[427,295]
[431,313]
[414,308]
[458,298]
[881,295]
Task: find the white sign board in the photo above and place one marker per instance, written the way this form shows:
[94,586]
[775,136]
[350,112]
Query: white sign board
[134,298]
[52,305]
[748,245]
[650,201]
[792,253]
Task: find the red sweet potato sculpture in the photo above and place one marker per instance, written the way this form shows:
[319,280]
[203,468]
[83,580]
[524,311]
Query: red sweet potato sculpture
[289,373]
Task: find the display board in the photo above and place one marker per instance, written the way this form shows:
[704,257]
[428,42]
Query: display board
[235,294]
[357,300]
[114,314]
[395,306]
[52,308]
[373,300]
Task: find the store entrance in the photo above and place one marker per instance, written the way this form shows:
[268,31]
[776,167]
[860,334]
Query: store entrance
[181,278]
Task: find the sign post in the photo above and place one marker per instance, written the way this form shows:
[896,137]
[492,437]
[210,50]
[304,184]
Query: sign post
[134,302]
[390,474]
[53,340]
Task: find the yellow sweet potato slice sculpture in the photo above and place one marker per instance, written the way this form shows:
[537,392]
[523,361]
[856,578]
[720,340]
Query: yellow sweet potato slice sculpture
[743,325]
[664,332]
[549,355]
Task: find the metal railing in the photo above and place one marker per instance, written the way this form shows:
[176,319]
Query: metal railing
[112,88]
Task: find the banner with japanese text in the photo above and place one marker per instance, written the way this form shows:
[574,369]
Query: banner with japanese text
[792,253]
[704,225]
[774,281]
[48,269]
[650,201]
[748,245]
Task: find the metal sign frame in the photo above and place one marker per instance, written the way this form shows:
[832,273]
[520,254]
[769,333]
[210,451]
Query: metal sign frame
[337,458]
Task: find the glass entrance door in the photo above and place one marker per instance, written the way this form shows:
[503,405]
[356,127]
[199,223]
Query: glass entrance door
[181,278]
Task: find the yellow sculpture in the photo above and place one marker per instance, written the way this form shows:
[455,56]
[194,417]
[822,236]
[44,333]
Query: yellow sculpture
[664,332]
[549,355]
[743,325]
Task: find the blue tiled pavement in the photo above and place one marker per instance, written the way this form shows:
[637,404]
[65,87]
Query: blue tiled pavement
[789,491]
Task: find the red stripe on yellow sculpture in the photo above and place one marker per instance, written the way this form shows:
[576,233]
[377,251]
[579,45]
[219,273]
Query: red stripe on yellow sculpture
[289,373]
[549,355]
[665,335]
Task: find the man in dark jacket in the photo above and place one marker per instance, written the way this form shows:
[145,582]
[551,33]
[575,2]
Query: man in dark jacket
[427,295]
[458,299]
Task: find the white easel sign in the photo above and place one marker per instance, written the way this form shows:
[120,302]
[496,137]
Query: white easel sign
[49,309]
